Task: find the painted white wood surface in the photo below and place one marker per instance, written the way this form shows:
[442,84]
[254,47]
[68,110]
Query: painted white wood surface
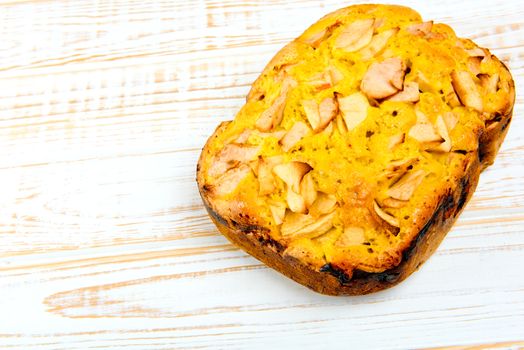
[104,243]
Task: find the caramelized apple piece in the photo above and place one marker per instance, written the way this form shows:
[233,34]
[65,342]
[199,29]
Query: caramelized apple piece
[451,120]
[295,202]
[394,203]
[315,39]
[328,110]
[409,94]
[424,131]
[403,189]
[273,115]
[390,219]
[319,115]
[312,113]
[307,189]
[320,81]
[230,156]
[420,28]
[377,44]
[292,173]
[301,225]
[476,52]
[355,36]
[466,90]
[424,84]
[489,83]
[354,109]
[330,77]
[452,99]
[325,203]
[228,182]
[398,167]
[474,65]
[443,132]
[266,180]
[294,222]
[297,132]
[335,75]
[383,79]
[244,136]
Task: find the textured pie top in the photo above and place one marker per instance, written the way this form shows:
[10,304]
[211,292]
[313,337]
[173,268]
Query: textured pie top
[352,133]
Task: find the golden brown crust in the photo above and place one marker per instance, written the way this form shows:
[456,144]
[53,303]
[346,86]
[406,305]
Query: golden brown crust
[496,129]
[434,219]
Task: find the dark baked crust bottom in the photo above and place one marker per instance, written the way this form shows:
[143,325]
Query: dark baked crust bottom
[332,281]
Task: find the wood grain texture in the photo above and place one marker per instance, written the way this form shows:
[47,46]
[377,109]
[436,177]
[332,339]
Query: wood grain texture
[104,242]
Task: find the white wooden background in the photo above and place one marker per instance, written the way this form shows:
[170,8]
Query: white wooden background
[104,243]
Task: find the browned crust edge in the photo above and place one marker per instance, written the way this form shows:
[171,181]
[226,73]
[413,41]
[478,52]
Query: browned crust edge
[496,129]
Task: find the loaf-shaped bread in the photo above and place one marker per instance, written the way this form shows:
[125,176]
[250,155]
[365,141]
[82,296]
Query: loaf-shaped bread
[358,146]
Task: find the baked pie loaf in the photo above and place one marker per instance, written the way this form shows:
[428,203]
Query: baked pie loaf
[357,148]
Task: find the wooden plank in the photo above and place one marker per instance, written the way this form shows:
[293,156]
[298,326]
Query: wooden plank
[104,106]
